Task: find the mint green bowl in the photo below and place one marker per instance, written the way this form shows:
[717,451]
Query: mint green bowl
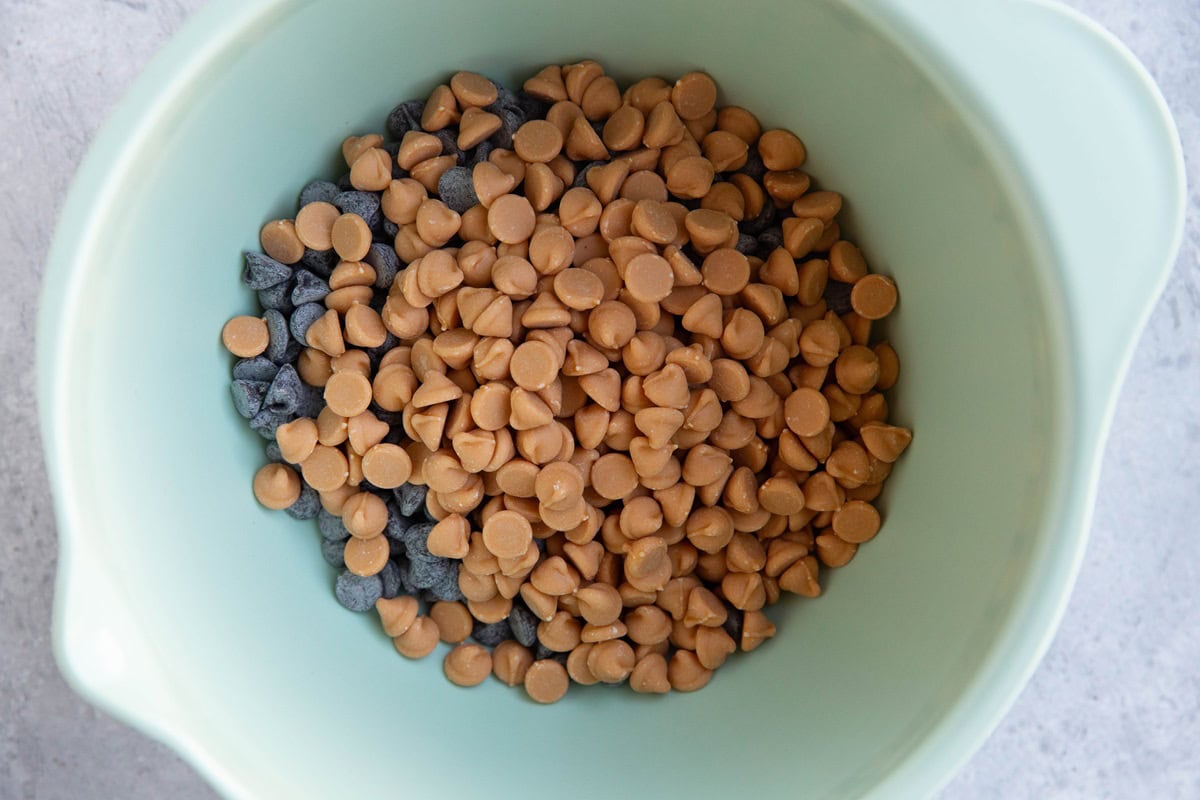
[1008,162]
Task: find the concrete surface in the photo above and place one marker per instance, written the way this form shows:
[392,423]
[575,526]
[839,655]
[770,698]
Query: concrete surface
[1112,712]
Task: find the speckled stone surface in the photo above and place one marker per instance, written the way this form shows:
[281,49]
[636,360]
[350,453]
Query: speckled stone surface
[1112,712]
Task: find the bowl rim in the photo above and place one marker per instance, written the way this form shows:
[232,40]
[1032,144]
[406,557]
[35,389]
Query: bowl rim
[1044,589]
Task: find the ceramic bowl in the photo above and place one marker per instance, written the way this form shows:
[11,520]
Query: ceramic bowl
[1007,162]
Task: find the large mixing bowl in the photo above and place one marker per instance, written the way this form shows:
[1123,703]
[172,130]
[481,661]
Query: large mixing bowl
[1007,162]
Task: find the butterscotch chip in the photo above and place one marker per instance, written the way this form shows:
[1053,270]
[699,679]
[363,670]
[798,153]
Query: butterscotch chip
[333,501]
[781,150]
[745,591]
[601,98]
[561,633]
[647,564]
[562,115]
[245,337]
[468,665]
[365,515]
[647,93]
[435,389]
[725,150]
[440,110]
[538,141]
[604,181]
[663,126]
[667,388]
[511,218]
[419,640]
[653,221]
[296,439]
[546,681]
[781,495]
[366,556]
[613,476]
[686,673]
[649,278]
[332,429]
[372,170]
[648,624]
[351,237]
[690,177]
[801,234]
[739,122]
[578,289]
[787,185]
[624,128]
[644,185]
[873,297]
[533,366]
[801,578]
[364,327]
[437,223]
[491,611]
[846,263]
[280,241]
[507,534]
[430,172]
[849,463]
[566,517]
[314,224]
[547,85]
[365,431]
[704,316]
[611,661]
[822,205]
[553,577]
[640,516]
[885,442]
[727,199]
[709,529]
[348,393]
[579,76]
[806,411]
[314,367]
[820,343]
[649,675]
[694,95]
[472,89]
[551,249]
[351,273]
[475,126]
[450,537]
[743,334]
[710,229]
[611,324]
[756,629]
[510,662]
[713,646]
[397,614]
[326,468]
[559,485]
[579,211]
[583,143]
[577,666]
[833,551]
[857,369]
[276,486]
[515,277]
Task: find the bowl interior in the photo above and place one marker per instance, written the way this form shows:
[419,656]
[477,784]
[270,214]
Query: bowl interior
[295,697]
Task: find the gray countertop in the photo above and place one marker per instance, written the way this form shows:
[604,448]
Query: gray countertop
[1113,710]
